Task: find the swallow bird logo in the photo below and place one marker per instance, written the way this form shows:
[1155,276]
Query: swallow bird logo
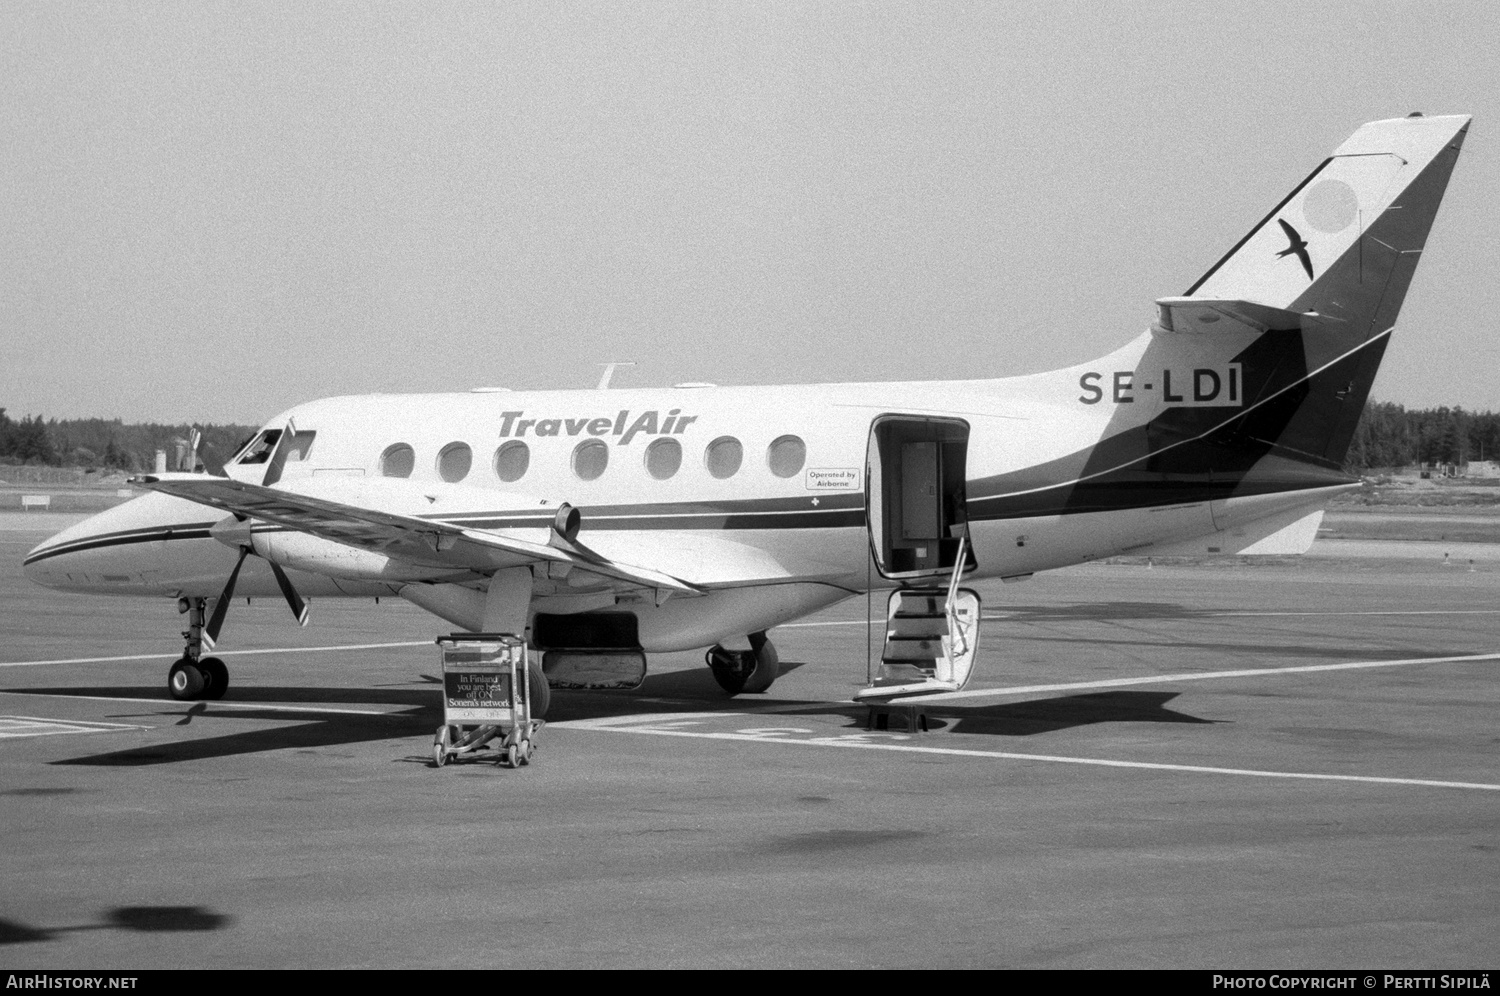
[1297,244]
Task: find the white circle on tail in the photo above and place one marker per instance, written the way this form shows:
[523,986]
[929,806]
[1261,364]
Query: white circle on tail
[1330,206]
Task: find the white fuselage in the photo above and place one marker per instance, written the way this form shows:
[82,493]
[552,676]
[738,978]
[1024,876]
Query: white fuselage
[800,526]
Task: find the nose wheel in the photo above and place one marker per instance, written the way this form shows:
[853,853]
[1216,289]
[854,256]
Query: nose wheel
[186,680]
[192,676]
[189,680]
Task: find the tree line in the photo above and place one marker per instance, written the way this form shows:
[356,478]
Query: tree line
[111,444]
[1392,436]
[1388,436]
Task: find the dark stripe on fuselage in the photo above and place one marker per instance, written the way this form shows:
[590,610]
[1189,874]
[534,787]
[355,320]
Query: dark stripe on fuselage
[1290,436]
[831,512]
[125,537]
[830,519]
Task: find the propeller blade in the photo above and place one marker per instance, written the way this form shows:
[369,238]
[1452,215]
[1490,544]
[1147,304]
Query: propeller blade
[221,607]
[293,600]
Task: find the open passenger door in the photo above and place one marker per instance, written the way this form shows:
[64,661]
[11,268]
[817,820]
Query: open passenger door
[916,472]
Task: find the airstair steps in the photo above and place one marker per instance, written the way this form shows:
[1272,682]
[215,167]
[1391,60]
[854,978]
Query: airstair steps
[916,626]
[931,638]
[927,649]
[918,603]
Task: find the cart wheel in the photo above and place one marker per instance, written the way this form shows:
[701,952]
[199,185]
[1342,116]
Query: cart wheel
[440,744]
[510,756]
[523,752]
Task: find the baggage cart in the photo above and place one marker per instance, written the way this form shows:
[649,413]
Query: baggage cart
[486,697]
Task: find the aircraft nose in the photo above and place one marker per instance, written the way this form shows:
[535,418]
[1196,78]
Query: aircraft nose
[82,555]
[43,562]
[122,550]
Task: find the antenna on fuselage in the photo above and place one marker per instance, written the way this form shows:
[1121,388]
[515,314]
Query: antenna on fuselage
[609,371]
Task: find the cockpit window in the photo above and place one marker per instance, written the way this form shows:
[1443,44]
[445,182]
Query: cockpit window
[299,447]
[294,448]
[261,447]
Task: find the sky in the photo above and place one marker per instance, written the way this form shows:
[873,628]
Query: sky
[212,211]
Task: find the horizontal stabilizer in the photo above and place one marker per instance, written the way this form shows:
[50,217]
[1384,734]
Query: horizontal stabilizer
[1197,314]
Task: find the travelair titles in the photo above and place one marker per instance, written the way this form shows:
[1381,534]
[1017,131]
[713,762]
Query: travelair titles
[622,425]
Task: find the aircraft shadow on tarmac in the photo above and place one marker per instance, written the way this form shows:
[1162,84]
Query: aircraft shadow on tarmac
[1097,612]
[296,730]
[147,919]
[1024,719]
[669,692]
[312,729]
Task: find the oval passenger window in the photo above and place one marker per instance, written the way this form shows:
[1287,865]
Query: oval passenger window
[590,457]
[454,461]
[723,457]
[786,456]
[397,461]
[511,461]
[663,458]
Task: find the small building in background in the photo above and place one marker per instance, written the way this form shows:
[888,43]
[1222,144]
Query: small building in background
[1483,468]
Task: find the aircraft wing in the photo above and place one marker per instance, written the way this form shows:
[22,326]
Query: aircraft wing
[402,536]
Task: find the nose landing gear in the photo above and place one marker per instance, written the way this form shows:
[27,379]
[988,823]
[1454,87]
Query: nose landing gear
[194,676]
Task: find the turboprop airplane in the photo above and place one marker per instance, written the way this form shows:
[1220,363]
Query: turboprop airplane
[610,524]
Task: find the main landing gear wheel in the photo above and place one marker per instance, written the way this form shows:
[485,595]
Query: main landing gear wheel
[216,678]
[767,664]
[185,681]
[750,670]
[538,689]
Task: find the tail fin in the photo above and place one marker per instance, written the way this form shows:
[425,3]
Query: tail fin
[1331,264]
[1344,243]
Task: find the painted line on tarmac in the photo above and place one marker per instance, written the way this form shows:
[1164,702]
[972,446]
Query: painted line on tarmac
[1259,672]
[37,726]
[1200,615]
[670,725]
[221,653]
[1365,612]
[1229,613]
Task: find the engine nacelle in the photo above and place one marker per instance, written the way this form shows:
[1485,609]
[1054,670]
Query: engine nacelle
[302,552]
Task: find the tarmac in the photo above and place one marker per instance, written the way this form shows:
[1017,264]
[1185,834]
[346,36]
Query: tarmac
[1290,764]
